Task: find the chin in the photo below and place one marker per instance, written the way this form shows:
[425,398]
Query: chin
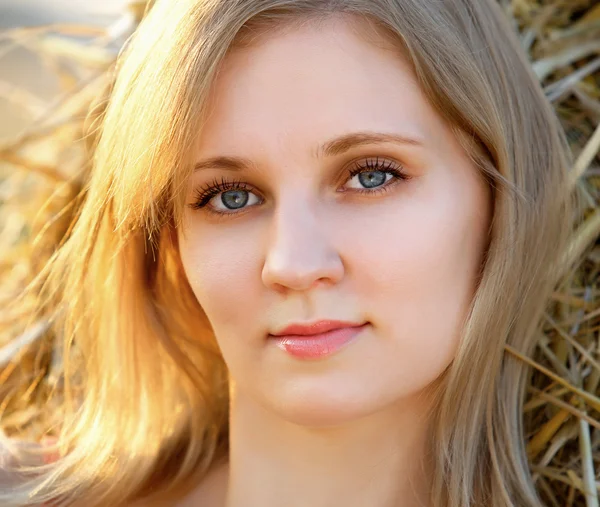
[320,410]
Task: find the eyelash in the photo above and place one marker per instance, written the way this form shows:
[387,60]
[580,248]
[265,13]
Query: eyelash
[204,194]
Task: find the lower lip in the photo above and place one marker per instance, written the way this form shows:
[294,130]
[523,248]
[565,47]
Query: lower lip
[317,345]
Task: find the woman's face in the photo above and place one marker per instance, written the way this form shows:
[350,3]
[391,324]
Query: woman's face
[301,239]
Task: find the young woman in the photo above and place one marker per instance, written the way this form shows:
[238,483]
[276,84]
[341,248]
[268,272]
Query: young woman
[310,230]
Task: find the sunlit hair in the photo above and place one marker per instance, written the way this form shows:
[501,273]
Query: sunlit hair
[146,407]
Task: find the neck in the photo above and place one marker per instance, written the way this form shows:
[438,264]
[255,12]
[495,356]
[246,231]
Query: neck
[378,460]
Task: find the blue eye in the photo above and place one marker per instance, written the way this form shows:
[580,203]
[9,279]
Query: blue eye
[235,199]
[230,196]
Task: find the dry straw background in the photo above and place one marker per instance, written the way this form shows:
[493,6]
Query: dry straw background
[45,166]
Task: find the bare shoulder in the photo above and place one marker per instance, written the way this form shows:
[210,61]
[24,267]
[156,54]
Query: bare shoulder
[211,492]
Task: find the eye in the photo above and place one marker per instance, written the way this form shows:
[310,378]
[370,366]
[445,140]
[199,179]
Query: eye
[371,174]
[228,196]
[232,200]
[224,197]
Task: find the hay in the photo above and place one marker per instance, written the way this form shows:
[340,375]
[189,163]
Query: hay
[47,163]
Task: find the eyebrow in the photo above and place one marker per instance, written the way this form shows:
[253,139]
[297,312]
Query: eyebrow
[331,148]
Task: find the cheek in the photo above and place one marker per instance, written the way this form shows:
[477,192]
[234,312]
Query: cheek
[416,269]
[221,269]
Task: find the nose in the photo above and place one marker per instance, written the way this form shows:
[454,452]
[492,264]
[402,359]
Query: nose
[300,254]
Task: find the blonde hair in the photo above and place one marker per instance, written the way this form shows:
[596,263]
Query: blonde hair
[146,391]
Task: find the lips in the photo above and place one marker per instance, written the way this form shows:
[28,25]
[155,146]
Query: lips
[316,328]
[311,345]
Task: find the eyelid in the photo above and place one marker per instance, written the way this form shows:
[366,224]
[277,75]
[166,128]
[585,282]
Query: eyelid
[357,166]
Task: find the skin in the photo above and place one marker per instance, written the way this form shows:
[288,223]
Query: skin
[352,428]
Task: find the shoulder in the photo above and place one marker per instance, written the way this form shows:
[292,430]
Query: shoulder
[211,492]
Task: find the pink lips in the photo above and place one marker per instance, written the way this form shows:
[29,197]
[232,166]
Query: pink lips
[316,340]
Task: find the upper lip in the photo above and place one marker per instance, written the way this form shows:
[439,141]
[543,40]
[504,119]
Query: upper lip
[312,328]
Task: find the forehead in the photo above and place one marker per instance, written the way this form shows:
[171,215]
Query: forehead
[296,87]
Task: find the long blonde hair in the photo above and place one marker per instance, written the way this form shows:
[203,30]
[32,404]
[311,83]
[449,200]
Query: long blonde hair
[146,392]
